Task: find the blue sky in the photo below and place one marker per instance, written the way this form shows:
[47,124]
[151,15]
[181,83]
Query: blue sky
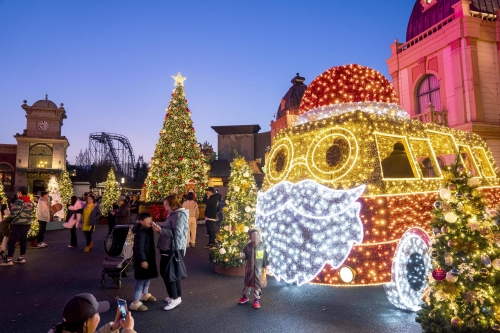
[110,62]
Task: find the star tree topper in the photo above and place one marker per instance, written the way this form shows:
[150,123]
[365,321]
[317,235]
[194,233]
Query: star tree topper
[179,79]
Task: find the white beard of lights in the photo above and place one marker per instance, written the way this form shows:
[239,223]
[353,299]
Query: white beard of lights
[307,225]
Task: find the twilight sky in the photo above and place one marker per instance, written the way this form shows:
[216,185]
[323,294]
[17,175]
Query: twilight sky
[110,62]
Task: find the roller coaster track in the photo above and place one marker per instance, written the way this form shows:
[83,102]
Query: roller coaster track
[114,148]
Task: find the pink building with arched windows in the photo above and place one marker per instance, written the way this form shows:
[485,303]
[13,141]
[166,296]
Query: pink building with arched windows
[448,70]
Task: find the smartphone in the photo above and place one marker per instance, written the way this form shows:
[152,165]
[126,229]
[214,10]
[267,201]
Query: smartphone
[122,305]
[156,225]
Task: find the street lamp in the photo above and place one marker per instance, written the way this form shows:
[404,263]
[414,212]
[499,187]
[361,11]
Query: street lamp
[123,182]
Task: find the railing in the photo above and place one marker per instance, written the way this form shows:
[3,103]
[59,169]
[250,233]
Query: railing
[435,28]
[433,116]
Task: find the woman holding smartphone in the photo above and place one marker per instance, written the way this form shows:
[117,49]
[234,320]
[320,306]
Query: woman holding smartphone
[173,235]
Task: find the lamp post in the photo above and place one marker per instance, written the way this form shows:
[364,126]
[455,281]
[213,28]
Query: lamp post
[123,182]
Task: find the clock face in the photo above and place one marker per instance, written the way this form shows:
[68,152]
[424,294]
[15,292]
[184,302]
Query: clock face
[42,125]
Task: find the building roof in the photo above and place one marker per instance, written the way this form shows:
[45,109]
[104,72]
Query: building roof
[420,21]
[45,103]
[291,101]
[236,129]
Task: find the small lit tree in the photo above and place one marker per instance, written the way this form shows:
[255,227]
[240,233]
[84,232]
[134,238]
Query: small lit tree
[34,227]
[463,294]
[239,215]
[65,189]
[111,193]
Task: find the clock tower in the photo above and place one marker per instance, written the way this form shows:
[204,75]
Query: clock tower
[41,149]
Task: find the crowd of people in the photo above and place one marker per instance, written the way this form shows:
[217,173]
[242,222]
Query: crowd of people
[175,234]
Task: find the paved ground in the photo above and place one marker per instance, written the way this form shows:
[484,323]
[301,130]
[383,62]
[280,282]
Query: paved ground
[32,297]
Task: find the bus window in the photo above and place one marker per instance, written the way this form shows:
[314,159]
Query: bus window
[394,157]
[444,147]
[469,161]
[429,166]
[483,161]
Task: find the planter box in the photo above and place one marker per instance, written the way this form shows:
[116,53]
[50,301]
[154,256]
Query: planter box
[231,271]
[103,220]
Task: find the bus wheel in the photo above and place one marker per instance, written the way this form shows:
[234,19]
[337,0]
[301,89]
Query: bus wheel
[410,267]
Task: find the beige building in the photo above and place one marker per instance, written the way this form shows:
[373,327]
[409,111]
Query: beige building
[41,149]
[448,70]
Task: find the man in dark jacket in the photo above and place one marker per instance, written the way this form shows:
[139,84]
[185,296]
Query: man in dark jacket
[211,200]
[20,219]
[123,214]
[397,164]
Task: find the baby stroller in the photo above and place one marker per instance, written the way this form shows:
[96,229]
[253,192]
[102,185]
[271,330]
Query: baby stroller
[119,246]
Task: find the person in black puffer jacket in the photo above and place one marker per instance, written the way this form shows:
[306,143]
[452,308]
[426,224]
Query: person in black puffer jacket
[144,262]
[211,200]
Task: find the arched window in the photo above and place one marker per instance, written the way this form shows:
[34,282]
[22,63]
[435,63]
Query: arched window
[6,174]
[428,93]
[40,156]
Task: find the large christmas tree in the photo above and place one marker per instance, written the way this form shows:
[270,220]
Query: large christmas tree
[65,189]
[239,215]
[177,157]
[111,193]
[464,287]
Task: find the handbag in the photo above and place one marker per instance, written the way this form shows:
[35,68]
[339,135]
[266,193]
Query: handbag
[175,269]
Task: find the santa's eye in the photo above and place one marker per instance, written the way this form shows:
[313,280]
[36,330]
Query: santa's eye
[331,154]
[280,159]
[336,152]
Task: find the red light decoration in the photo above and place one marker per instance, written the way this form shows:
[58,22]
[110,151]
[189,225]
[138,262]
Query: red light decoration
[346,84]
[385,220]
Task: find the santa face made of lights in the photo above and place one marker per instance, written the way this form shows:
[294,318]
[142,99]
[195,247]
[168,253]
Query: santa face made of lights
[330,212]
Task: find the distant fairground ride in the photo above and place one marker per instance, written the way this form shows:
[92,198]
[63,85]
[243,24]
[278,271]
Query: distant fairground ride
[112,148]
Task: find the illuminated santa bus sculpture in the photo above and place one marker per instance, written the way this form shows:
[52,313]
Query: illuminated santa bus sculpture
[331,216]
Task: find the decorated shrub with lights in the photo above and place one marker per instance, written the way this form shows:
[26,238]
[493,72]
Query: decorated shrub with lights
[34,226]
[336,157]
[239,215]
[463,294]
[2,194]
[177,158]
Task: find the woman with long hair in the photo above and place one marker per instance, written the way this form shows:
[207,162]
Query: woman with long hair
[72,212]
[173,235]
[134,209]
[90,216]
[191,205]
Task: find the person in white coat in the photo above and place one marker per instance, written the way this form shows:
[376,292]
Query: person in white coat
[191,205]
[43,215]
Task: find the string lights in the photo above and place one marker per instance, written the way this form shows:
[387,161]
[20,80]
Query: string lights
[349,124]
[307,225]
